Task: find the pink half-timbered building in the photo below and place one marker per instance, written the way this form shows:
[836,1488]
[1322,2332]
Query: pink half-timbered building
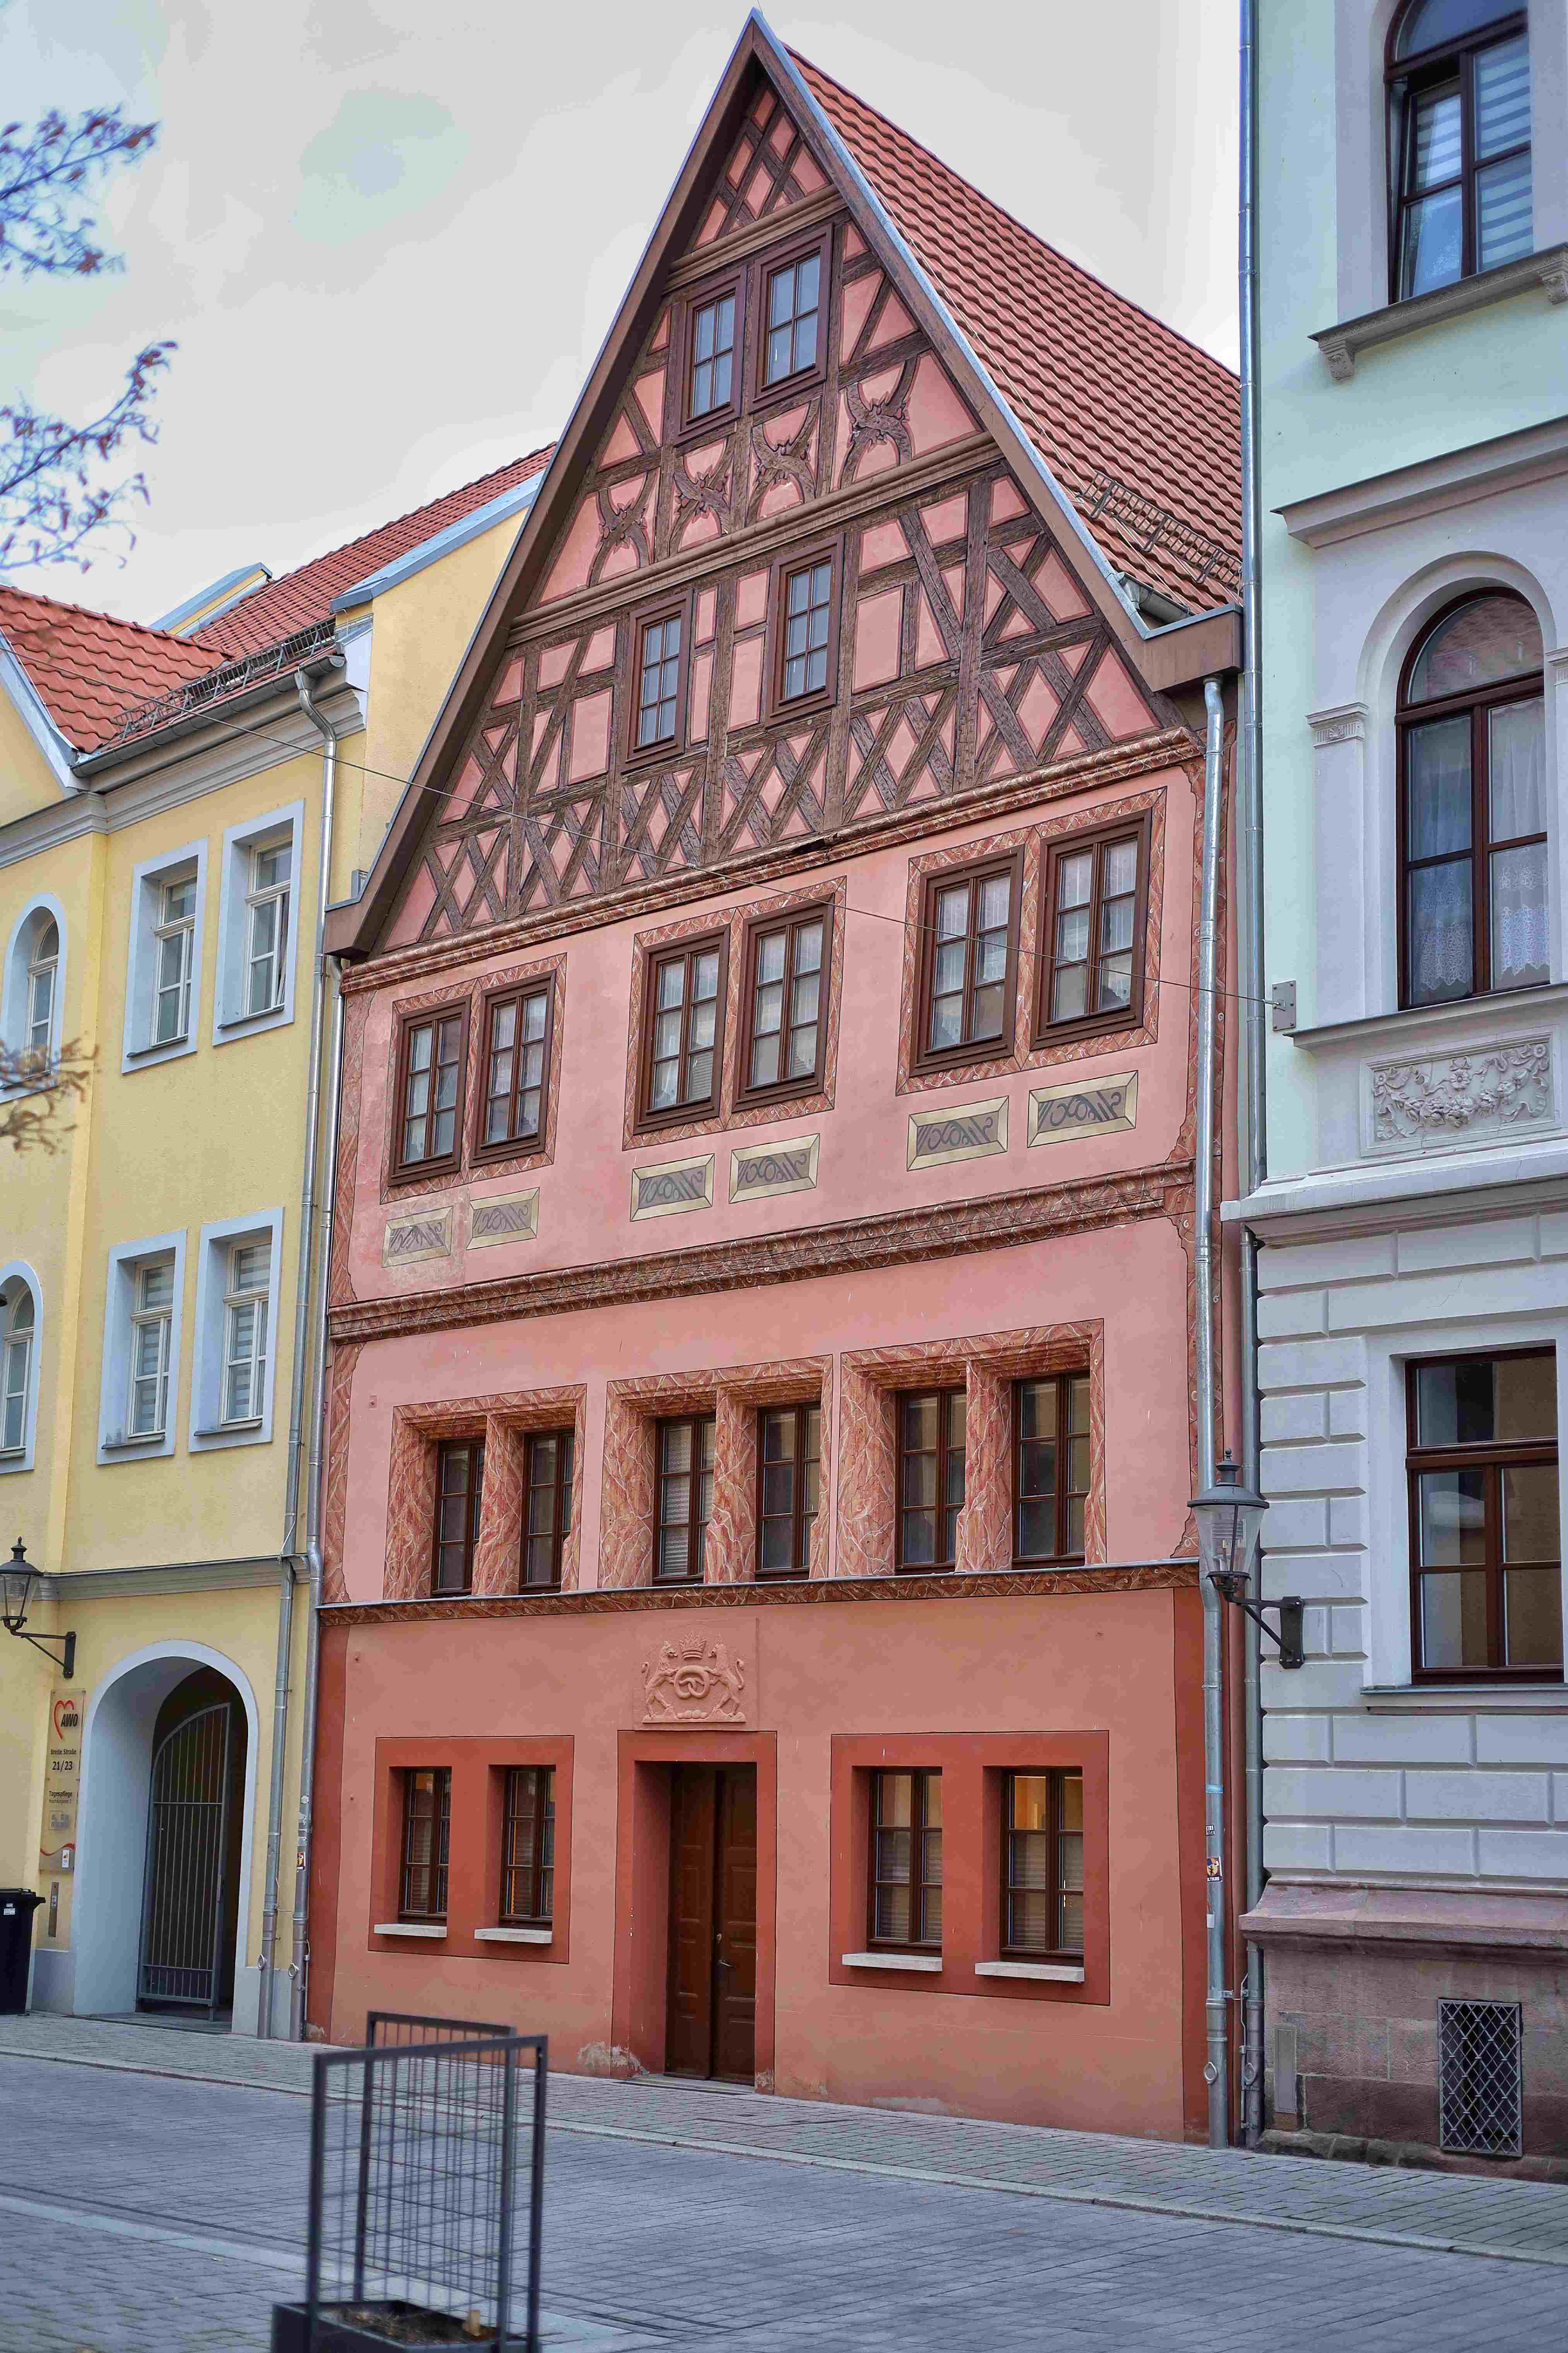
[761,1632]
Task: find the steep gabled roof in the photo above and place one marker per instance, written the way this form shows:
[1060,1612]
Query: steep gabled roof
[87,668]
[1100,386]
[305,596]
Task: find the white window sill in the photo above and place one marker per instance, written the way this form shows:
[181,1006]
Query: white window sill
[135,1445]
[230,1428]
[927,1964]
[407,1928]
[1049,1972]
[159,1046]
[1465,1699]
[514,1936]
[237,1021]
[1548,270]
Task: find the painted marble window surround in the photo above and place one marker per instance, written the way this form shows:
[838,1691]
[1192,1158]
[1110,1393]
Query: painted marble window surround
[1027,1042]
[738,1104]
[503,1424]
[473,999]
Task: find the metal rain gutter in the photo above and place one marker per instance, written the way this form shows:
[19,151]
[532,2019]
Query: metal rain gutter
[1216,2068]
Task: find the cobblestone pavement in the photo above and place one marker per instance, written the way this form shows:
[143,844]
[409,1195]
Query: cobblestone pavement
[143,2209]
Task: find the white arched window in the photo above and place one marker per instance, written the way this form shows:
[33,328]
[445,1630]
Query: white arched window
[18,1367]
[34,978]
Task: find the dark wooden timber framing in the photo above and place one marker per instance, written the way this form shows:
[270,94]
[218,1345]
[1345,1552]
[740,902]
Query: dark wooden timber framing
[1169,660]
[1177,1575]
[1097,838]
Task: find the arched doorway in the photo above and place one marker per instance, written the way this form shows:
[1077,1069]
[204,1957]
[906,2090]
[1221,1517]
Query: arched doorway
[190,1898]
[154,1745]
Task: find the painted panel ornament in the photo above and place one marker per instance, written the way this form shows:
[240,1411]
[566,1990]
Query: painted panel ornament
[1495,1091]
[1083,1107]
[694,1680]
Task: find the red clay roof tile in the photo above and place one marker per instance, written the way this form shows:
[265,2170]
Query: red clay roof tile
[87,668]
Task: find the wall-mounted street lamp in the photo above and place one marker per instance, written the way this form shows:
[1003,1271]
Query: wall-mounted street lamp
[1230,1519]
[18,1588]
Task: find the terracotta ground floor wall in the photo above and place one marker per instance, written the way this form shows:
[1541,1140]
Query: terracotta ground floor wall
[810,1691]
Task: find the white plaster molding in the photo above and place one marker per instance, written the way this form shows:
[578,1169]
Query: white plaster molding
[1536,272]
[1455,477]
[408,1928]
[1347,725]
[512,1936]
[1053,1972]
[1425,1103]
[928,1964]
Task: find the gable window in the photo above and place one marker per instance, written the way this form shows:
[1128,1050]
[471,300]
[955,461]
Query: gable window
[151,1323]
[1472,839]
[905,1908]
[969,947]
[1091,953]
[173,934]
[1042,1866]
[1050,1467]
[807,606]
[712,356]
[1458,85]
[460,1488]
[516,1063]
[784,1048]
[528,1849]
[684,1023]
[244,1331]
[685,1498]
[659,681]
[43,966]
[931,1478]
[1484,1530]
[793,315]
[789,1463]
[431,1056]
[267,927]
[16,1365]
[548,1506]
[426,1833]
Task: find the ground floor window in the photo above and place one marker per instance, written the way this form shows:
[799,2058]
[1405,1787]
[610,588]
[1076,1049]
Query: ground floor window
[1042,1866]
[427,1828]
[1485,1528]
[906,1859]
[527,1852]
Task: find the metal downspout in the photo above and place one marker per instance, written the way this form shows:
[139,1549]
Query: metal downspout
[304,688]
[1254,1154]
[1217,2073]
[299,1970]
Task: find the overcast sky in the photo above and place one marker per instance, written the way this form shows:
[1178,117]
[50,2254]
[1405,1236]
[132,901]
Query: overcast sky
[388,235]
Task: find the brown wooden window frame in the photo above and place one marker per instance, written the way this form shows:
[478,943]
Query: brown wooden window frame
[1056,1776]
[1406,78]
[804,1524]
[647,616]
[1492,1458]
[561,1485]
[528,1879]
[967,1052]
[919,1884]
[785,569]
[1064,1555]
[781,390]
[1097,839]
[713,422]
[677,1114]
[945,1450]
[1524,688]
[438,1866]
[507,1147]
[447,1449]
[694,1421]
[788,920]
[430,1016]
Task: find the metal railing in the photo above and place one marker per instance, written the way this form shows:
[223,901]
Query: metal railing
[427,2187]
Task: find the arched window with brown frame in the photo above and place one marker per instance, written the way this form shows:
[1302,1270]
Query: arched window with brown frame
[1458,142]
[1472,804]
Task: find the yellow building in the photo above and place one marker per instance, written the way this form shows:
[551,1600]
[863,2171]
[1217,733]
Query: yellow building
[178,809]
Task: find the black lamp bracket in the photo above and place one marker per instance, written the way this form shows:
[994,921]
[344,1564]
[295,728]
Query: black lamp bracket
[65,1662]
[1232,1584]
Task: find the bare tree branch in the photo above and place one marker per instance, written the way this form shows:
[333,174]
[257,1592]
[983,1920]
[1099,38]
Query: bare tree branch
[48,177]
[35,1092]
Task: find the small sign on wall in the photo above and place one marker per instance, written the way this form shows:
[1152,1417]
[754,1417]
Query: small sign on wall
[1096,1107]
[56,1845]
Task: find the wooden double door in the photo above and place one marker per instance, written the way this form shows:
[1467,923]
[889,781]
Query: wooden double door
[711,2027]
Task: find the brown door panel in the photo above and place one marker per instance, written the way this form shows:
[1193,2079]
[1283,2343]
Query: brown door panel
[735,1942]
[689,2031]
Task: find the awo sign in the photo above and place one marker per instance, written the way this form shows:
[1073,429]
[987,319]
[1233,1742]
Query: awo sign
[57,1843]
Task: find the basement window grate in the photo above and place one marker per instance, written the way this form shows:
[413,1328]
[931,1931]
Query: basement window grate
[1481,2078]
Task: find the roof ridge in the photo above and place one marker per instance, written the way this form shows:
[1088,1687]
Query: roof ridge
[950,172]
[94,612]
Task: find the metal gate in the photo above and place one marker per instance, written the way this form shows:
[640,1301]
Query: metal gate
[183,1909]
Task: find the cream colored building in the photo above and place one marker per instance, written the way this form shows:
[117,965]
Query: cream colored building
[178,809]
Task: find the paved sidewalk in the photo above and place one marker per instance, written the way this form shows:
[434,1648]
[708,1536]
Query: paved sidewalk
[1526,2222]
